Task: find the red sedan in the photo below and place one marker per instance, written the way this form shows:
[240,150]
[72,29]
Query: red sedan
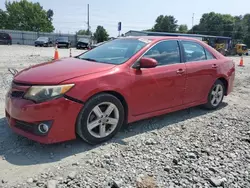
[122,81]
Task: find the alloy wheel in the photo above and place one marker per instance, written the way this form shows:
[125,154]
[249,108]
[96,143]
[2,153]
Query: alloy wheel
[217,95]
[103,120]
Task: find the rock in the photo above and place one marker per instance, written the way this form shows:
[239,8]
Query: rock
[59,178]
[213,169]
[44,176]
[175,161]
[75,164]
[30,180]
[3,181]
[107,156]
[145,181]
[167,169]
[217,181]
[117,184]
[191,155]
[52,184]
[72,175]
[150,141]
[155,132]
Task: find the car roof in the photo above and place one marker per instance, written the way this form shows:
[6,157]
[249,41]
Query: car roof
[158,38]
[1,32]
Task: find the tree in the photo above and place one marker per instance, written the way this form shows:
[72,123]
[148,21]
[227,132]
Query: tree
[165,24]
[101,34]
[246,29]
[26,16]
[83,32]
[3,19]
[183,28]
[50,14]
[215,24]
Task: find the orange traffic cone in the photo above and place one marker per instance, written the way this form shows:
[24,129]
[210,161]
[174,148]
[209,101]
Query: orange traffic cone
[56,55]
[241,62]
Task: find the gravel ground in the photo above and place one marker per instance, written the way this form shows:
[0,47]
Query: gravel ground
[190,148]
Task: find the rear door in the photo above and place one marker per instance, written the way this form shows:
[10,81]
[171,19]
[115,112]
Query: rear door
[161,87]
[201,66]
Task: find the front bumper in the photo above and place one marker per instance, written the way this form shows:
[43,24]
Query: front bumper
[23,116]
[40,43]
[62,44]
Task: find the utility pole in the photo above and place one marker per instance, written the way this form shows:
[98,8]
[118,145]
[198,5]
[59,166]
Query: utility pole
[88,21]
[193,23]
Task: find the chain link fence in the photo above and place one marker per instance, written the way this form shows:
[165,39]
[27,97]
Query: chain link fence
[28,37]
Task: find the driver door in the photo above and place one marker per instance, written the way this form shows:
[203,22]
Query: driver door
[161,87]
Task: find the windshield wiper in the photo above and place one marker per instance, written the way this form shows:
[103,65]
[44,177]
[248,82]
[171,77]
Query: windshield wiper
[89,59]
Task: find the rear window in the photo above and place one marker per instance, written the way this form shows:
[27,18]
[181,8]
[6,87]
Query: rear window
[5,35]
[62,39]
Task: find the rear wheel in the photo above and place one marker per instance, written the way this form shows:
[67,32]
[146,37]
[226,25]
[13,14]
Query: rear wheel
[100,119]
[216,95]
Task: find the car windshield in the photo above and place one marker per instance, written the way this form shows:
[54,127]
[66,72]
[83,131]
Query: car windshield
[116,51]
[83,40]
[42,39]
[62,39]
[244,47]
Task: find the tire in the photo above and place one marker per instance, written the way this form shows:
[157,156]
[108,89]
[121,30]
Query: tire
[211,104]
[87,116]
[246,54]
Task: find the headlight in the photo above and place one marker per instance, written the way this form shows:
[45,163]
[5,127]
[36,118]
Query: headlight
[44,93]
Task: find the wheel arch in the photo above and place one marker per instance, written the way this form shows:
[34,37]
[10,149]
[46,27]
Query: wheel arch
[225,83]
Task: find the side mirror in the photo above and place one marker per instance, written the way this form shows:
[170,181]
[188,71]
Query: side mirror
[145,62]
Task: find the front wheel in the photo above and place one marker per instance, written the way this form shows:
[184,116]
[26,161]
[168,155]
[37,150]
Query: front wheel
[215,96]
[100,119]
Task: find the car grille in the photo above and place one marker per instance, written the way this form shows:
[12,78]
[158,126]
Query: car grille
[17,94]
[28,127]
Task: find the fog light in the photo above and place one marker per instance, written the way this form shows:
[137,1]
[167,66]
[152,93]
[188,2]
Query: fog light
[43,128]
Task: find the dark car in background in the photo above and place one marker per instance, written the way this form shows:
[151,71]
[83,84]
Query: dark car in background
[63,42]
[97,44]
[5,38]
[43,41]
[83,43]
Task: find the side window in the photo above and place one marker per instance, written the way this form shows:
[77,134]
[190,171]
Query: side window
[209,55]
[193,51]
[165,53]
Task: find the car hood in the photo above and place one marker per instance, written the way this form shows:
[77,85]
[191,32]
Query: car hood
[58,71]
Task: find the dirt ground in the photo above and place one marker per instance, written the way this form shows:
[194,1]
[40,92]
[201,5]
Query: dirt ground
[189,148]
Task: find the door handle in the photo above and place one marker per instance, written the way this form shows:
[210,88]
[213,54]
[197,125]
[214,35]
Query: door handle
[214,66]
[180,71]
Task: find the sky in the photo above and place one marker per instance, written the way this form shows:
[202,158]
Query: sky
[71,15]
